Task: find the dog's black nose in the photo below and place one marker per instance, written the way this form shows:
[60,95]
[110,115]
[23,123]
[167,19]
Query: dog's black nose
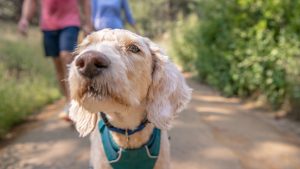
[91,63]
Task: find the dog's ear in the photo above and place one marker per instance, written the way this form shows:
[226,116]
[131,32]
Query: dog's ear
[84,120]
[168,94]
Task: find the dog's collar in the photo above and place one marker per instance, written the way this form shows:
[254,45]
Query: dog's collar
[126,132]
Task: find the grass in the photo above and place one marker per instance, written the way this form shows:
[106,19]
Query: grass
[27,78]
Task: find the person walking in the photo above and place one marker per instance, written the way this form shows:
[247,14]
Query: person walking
[60,24]
[108,14]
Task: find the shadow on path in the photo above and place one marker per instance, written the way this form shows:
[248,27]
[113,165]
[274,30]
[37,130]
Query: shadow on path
[47,143]
[221,133]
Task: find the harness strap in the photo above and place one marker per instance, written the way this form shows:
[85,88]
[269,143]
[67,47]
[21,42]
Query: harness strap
[126,132]
[144,157]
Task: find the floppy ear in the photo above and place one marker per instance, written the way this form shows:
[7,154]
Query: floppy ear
[168,93]
[85,121]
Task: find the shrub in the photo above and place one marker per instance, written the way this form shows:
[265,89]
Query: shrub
[155,17]
[182,37]
[26,77]
[247,46]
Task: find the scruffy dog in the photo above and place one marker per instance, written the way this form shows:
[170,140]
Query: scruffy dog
[137,89]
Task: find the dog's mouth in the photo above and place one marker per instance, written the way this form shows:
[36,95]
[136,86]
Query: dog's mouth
[99,92]
[103,89]
[91,91]
[103,93]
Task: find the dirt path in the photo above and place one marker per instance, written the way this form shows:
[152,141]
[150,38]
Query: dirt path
[213,133]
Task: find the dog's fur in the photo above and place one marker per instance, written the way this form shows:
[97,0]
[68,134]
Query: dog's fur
[133,87]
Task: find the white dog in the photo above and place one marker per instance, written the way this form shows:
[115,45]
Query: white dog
[139,91]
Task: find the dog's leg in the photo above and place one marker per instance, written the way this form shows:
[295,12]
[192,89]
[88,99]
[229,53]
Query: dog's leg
[163,161]
[98,158]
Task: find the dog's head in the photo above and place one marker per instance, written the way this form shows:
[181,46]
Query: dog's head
[117,68]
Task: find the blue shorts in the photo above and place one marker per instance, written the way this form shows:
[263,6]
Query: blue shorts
[60,40]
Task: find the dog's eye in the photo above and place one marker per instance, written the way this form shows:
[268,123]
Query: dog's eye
[133,48]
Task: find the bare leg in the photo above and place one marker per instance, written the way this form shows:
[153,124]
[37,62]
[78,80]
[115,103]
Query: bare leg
[60,74]
[66,59]
[61,63]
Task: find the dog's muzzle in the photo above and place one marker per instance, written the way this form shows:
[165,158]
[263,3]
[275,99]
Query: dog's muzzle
[91,63]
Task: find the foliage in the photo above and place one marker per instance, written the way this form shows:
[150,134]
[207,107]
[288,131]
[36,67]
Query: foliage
[10,10]
[155,17]
[246,47]
[26,77]
[185,52]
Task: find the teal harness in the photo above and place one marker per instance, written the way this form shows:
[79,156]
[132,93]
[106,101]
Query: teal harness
[141,158]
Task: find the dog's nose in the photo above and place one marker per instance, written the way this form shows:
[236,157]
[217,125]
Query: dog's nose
[91,63]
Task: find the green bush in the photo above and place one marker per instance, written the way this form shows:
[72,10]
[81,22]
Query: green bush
[155,17]
[183,50]
[26,77]
[246,47]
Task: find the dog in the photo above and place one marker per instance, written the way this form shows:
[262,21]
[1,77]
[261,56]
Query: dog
[138,91]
